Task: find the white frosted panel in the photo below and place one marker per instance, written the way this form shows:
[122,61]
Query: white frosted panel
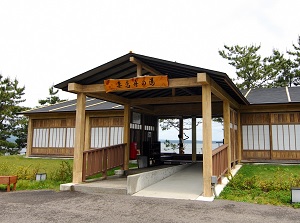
[280,137]
[245,137]
[62,137]
[261,137]
[70,137]
[52,137]
[286,138]
[116,135]
[40,138]
[97,135]
[113,136]
[255,137]
[250,137]
[267,137]
[92,137]
[106,136]
[35,138]
[292,137]
[57,137]
[275,137]
[297,136]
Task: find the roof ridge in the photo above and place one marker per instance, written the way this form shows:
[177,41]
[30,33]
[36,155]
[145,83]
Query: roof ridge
[288,93]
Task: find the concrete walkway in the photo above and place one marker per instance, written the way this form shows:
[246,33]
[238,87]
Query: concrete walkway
[185,184]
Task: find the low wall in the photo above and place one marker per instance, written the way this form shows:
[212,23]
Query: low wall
[140,181]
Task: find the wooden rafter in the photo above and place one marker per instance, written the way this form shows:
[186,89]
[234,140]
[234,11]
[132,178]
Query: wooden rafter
[140,64]
[204,79]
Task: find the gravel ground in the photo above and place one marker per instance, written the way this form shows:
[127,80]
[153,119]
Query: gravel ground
[50,206]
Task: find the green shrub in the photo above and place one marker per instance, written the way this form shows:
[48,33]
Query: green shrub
[63,174]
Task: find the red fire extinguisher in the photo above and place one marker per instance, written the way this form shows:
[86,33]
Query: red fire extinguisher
[133,151]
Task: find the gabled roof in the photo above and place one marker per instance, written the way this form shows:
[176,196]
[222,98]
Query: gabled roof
[281,95]
[92,104]
[122,68]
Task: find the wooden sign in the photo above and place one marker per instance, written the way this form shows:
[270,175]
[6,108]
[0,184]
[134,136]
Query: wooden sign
[136,83]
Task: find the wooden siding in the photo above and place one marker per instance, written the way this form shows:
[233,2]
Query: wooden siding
[285,118]
[256,154]
[271,135]
[255,119]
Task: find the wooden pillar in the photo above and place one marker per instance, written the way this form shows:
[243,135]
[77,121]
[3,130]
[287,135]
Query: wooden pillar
[181,148]
[139,70]
[226,116]
[126,135]
[239,132]
[207,140]
[29,138]
[87,135]
[79,138]
[194,139]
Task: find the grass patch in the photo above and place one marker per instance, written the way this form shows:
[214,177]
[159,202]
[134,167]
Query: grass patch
[263,184]
[58,171]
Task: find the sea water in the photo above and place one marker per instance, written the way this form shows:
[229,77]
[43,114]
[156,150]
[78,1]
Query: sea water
[187,147]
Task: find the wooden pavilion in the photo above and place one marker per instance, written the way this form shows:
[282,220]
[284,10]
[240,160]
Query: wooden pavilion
[258,123]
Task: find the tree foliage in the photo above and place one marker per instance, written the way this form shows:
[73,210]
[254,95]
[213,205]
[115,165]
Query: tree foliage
[253,71]
[10,123]
[295,53]
[52,99]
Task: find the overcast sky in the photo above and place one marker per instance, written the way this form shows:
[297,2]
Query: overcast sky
[46,42]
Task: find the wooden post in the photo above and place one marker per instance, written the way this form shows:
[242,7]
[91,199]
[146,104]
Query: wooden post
[239,132]
[87,138]
[79,138]
[139,70]
[126,135]
[194,139]
[226,116]
[29,138]
[207,140]
[181,148]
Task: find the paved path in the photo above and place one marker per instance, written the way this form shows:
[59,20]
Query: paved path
[185,184]
[49,206]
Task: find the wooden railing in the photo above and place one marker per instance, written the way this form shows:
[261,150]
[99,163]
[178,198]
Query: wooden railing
[101,160]
[220,161]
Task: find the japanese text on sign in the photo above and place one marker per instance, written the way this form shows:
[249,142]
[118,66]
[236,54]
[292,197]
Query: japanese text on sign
[136,83]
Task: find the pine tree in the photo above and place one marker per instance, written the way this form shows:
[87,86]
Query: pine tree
[296,63]
[247,63]
[10,98]
[52,99]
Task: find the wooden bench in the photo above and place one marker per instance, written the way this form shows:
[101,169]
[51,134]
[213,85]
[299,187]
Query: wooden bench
[8,180]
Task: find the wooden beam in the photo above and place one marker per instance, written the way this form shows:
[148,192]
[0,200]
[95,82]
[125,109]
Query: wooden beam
[203,78]
[139,70]
[127,114]
[270,108]
[99,88]
[79,138]
[226,117]
[145,66]
[207,140]
[91,88]
[222,94]
[184,82]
